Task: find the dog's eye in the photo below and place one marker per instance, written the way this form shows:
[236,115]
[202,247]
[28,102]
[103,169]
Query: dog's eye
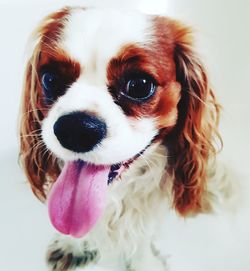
[52,86]
[49,83]
[139,89]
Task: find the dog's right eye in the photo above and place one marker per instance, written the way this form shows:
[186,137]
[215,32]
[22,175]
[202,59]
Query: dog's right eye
[50,85]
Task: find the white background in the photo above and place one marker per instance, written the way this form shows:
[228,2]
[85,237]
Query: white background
[207,243]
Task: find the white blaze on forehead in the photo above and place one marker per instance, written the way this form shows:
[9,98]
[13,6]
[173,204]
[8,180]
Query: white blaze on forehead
[94,36]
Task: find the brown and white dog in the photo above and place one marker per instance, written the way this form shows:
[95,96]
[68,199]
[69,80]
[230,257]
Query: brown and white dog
[119,119]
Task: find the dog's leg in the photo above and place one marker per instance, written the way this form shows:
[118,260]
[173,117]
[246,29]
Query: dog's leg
[147,259]
[68,254]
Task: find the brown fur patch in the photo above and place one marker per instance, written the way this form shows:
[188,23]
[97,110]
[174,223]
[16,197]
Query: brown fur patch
[156,61]
[190,142]
[67,69]
[39,164]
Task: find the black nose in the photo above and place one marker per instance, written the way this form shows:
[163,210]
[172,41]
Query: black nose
[79,132]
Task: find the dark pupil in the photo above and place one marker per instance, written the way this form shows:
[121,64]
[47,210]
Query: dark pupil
[139,88]
[50,86]
[49,81]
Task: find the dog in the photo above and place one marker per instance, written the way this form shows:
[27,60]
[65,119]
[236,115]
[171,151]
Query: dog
[118,125]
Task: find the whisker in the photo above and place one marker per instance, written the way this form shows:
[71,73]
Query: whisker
[145,160]
[38,144]
[35,135]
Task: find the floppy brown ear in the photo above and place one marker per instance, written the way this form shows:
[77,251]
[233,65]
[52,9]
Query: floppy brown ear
[191,143]
[39,164]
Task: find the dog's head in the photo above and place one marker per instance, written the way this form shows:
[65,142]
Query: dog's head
[103,85]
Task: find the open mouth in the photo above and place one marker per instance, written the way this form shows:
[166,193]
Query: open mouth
[78,197]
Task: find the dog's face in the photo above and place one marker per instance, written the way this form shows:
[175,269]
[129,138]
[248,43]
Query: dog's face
[102,85]
[109,83]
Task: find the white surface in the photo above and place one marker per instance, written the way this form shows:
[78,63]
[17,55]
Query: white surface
[206,243]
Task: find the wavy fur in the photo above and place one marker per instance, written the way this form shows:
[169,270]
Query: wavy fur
[195,134]
[182,161]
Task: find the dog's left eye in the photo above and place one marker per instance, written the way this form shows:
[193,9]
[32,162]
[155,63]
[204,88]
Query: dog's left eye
[139,89]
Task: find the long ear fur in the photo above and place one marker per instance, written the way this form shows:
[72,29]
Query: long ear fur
[191,144]
[39,164]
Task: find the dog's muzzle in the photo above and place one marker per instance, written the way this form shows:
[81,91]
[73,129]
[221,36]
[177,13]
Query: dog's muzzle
[79,131]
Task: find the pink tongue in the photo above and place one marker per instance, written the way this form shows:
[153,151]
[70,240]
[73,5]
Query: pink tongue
[77,199]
